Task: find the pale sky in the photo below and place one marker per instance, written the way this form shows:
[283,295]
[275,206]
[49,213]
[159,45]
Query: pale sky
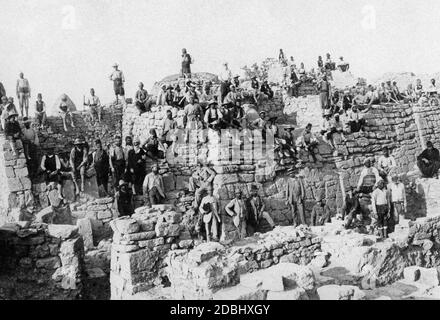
[70,46]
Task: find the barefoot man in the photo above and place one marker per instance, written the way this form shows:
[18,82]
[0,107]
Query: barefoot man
[23,94]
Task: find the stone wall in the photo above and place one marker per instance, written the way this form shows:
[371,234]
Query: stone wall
[40,262]
[16,196]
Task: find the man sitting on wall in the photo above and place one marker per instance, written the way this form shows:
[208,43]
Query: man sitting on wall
[429,161]
[142,99]
[153,187]
[124,199]
[209,215]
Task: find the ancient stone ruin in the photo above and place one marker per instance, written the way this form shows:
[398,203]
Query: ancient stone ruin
[84,250]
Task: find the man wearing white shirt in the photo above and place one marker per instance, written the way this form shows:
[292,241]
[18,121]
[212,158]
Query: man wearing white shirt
[398,198]
[225,77]
[94,105]
[386,163]
[380,205]
[368,178]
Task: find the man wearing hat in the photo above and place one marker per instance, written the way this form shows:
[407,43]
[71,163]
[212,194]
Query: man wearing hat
[94,105]
[124,199]
[308,141]
[169,96]
[232,96]
[288,142]
[161,96]
[257,213]
[324,92]
[137,166]
[255,85]
[186,64]
[169,126]
[8,108]
[153,187]
[142,99]
[398,198]
[78,162]
[368,178]
[209,216]
[40,111]
[386,164]
[30,142]
[207,95]
[51,167]
[118,79]
[381,206]
[117,160]
[296,194]
[102,166]
[213,116]
[13,131]
[238,211]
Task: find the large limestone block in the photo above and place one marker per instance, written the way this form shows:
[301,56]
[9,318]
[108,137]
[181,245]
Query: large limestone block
[240,292]
[124,225]
[336,292]
[62,231]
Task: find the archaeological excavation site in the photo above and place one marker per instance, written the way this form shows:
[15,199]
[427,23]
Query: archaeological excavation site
[317,232]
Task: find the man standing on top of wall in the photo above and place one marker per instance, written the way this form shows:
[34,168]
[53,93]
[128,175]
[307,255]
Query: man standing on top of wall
[118,83]
[201,179]
[225,77]
[23,94]
[186,64]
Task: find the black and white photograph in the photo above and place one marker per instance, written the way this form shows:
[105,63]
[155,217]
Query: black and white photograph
[219,155]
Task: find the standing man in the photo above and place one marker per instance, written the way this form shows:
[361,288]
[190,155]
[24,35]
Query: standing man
[142,99]
[351,210]
[380,204]
[51,166]
[153,188]
[40,111]
[23,94]
[257,211]
[225,77]
[136,166]
[398,198]
[117,161]
[2,91]
[324,92]
[208,214]
[237,210]
[118,83]
[78,163]
[186,64]
[201,179]
[296,194]
[368,178]
[94,105]
[102,166]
